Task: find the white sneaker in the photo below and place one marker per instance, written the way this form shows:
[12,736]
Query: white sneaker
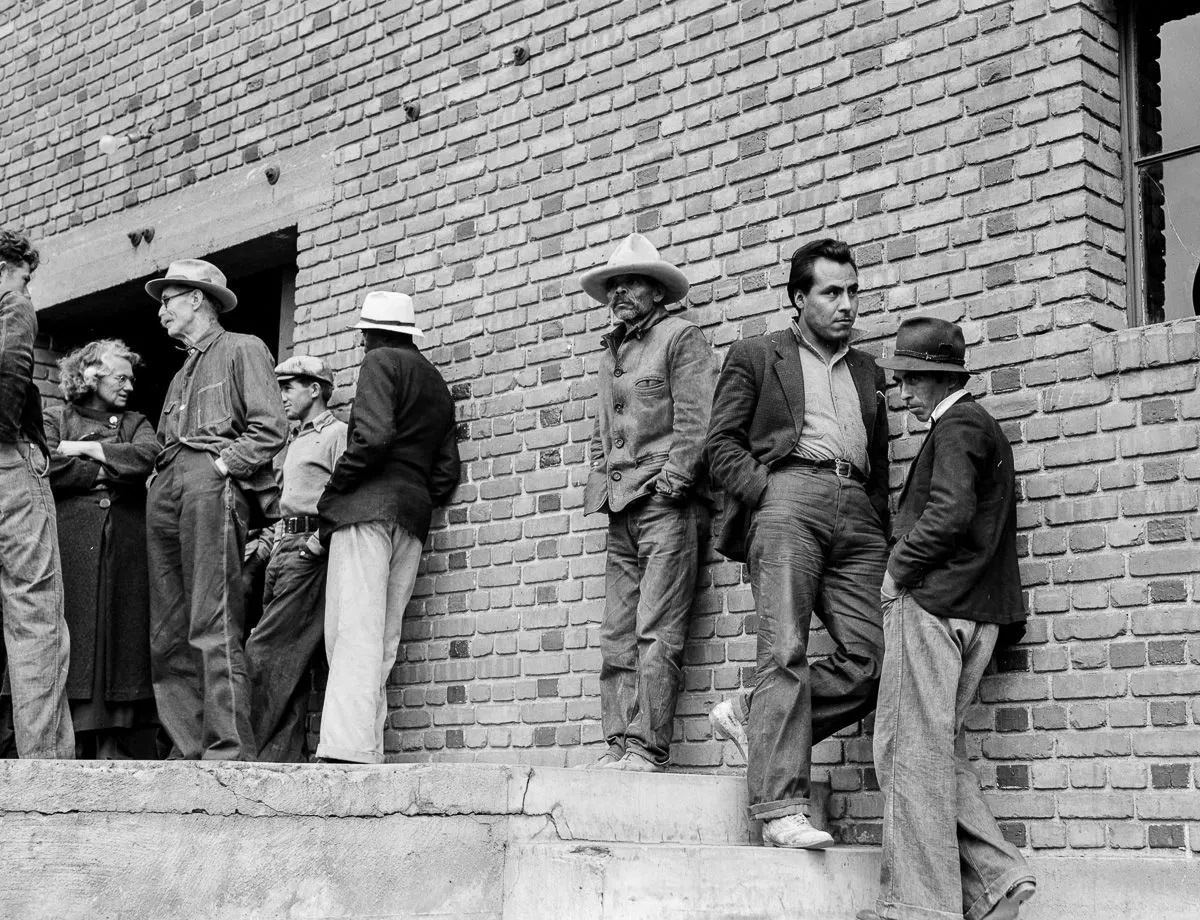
[795,832]
[725,724]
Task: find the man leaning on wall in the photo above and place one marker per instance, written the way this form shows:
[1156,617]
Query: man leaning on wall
[656,384]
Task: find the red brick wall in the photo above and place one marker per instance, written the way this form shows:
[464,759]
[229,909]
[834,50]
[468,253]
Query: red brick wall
[968,149]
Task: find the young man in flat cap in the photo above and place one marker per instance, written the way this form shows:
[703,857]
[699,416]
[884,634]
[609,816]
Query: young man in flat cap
[952,586]
[656,384]
[222,423]
[281,646]
[798,441]
[401,460]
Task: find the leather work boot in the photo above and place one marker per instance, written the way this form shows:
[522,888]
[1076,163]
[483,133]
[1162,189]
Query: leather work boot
[726,725]
[795,832]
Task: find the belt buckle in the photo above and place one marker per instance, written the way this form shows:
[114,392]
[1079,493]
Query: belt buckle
[844,469]
[289,525]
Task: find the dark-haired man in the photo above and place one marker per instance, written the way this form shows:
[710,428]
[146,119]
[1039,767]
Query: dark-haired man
[952,585]
[401,460]
[798,441]
[31,591]
[280,649]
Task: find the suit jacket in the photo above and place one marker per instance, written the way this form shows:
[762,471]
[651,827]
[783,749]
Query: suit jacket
[955,529]
[401,456]
[757,417]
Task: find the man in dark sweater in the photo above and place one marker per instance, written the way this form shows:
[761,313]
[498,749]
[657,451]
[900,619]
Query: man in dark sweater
[951,587]
[401,460]
[31,590]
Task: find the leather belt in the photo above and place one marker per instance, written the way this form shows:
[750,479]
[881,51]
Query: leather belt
[844,469]
[302,523]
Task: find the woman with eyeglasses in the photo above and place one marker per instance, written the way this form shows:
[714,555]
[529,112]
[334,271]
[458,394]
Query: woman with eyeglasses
[101,455]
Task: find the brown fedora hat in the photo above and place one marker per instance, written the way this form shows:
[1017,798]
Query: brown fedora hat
[927,344]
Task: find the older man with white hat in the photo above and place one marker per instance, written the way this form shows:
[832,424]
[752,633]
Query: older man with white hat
[401,460]
[655,392]
[221,425]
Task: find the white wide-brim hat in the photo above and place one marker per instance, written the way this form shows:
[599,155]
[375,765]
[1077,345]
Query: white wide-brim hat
[636,255]
[389,311]
[195,273]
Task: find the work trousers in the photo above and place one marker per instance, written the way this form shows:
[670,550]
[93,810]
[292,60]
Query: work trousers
[280,649]
[815,544]
[31,595]
[195,536]
[944,857]
[650,580]
[372,571]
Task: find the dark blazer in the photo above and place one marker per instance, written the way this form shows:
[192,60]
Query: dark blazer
[757,416]
[955,529]
[401,454]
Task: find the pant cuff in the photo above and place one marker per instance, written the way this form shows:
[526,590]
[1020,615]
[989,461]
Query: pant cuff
[767,811]
[893,910]
[996,891]
[350,754]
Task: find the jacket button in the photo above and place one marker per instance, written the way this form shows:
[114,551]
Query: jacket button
[616,477]
[619,407]
[620,442]
[104,503]
[618,372]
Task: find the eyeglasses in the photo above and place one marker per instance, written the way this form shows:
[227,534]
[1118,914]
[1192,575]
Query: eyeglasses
[166,300]
[120,379]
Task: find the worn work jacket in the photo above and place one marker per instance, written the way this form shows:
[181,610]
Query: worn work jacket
[20,401]
[655,394]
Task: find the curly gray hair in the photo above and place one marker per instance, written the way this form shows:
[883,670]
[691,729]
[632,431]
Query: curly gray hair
[77,372]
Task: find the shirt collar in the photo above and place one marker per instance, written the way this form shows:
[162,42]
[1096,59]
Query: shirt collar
[318,423]
[207,339]
[941,408]
[803,342]
[623,331]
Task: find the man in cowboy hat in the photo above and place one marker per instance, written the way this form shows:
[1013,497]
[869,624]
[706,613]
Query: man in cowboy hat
[221,424]
[281,646]
[798,441]
[656,384]
[952,586]
[401,460]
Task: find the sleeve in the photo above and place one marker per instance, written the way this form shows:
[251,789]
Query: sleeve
[959,452]
[67,474]
[18,329]
[372,424]
[266,426]
[727,447]
[130,462]
[446,468]
[693,379]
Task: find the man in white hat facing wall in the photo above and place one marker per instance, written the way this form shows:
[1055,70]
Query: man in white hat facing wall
[655,391]
[221,424]
[401,460]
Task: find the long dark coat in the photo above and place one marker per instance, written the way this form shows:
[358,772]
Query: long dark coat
[102,539]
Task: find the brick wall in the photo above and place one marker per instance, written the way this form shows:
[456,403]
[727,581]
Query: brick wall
[968,149]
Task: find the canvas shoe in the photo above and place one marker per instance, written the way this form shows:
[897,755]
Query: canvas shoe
[726,725]
[795,832]
[607,760]
[634,762]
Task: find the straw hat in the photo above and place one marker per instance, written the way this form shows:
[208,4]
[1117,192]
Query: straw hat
[636,255]
[389,311]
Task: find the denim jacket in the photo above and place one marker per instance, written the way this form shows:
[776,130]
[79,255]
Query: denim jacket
[655,395]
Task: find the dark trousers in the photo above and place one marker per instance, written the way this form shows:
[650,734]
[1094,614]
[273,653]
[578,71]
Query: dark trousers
[650,579]
[195,536]
[280,649]
[816,544]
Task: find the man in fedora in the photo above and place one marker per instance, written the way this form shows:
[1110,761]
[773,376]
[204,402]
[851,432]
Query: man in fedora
[952,586]
[798,441]
[655,390]
[401,460]
[281,646]
[221,424]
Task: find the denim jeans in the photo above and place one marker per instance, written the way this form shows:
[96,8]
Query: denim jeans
[372,572]
[650,579]
[35,631]
[195,534]
[280,649]
[944,857]
[815,545]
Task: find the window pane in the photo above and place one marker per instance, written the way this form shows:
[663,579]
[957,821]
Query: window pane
[1171,234]
[1168,77]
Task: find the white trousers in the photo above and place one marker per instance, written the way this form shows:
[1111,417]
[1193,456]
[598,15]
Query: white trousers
[372,570]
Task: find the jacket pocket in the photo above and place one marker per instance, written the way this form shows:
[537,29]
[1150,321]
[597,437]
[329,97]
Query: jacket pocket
[650,387]
[648,459]
[210,406]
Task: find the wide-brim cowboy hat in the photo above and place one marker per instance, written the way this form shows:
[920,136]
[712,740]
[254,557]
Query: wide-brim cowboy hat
[636,255]
[926,344]
[390,312]
[196,273]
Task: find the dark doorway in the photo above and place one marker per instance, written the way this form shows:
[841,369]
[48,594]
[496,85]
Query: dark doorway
[261,272]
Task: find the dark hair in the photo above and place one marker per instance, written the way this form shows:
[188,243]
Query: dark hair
[384,338]
[804,258]
[15,248]
[957,381]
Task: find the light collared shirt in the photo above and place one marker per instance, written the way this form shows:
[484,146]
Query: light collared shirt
[308,462]
[833,426]
[943,407]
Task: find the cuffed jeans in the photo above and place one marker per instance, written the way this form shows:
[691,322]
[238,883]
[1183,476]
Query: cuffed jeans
[280,649]
[815,543]
[944,857]
[195,535]
[35,631]
[372,571]
[650,580]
